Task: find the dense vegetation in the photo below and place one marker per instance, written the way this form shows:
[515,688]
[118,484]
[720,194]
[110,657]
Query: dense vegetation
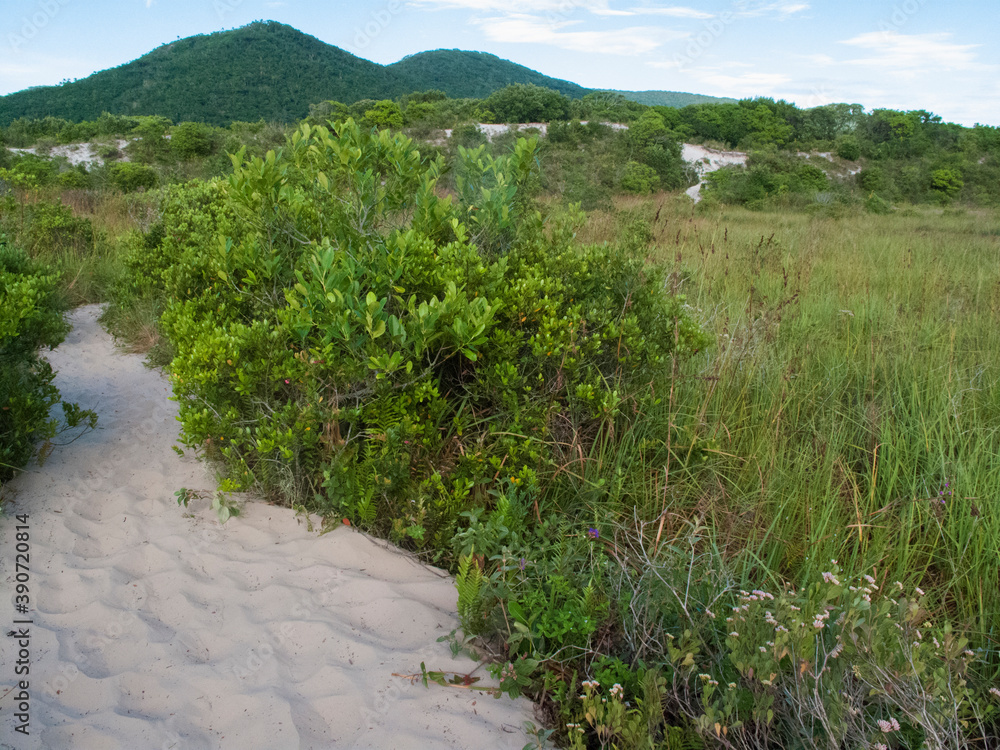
[268,70]
[31,317]
[727,474]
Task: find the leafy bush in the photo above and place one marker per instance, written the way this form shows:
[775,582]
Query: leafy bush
[30,317]
[74,179]
[848,147]
[384,353]
[191,139]
[385,114]
[639,178]
[129,177]
[947,182]
[768,175]
[525,102]
[51,228]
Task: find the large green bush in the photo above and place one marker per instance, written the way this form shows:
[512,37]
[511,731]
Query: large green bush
[364,345]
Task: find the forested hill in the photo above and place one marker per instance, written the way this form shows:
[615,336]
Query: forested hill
[672,98]
[267,70]
[471,74]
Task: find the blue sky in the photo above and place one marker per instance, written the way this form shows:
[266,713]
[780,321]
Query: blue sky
[902,54]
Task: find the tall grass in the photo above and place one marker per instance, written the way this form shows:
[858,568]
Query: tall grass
[852,398]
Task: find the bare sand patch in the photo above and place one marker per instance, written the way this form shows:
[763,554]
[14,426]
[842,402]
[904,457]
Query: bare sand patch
[156,628]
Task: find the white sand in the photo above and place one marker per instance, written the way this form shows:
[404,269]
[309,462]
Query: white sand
[77,153]
[154,628]
[706,160]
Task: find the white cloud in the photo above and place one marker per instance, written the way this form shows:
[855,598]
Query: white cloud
[675,12]
[911,54]
[560,7]
[720,82]
[635,40]
[782,8]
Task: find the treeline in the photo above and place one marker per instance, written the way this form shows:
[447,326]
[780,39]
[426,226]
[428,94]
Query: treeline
[876,158]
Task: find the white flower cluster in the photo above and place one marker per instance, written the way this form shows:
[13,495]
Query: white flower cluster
[888,726]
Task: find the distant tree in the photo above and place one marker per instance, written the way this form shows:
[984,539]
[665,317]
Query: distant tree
[326,112]
[649,129]
[848,148]
[385,114]
[191,139]
[129,177]
[525,102]
[150,145]
[639,178]
[947,183]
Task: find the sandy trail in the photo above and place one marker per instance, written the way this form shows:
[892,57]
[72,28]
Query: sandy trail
[159,629]
[706,160]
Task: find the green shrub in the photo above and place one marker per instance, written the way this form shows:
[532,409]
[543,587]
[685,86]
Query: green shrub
[51,228]
[639,178]
[947,182]
[190,140]
[74,179]
[30,318]
[129,177]
[768,175]
[848,147]
[382,353]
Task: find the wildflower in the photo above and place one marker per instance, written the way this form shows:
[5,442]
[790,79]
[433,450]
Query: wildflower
[734,634]
[888,726]
[522,564]
[710,613]
[995,692]
[836,650]
[593,533]
[616,691]
[880,746]
[831,578]
[920,591]
[898,585]
[763,649]
[704,677]
[818,624]
[969,653]
[732,686]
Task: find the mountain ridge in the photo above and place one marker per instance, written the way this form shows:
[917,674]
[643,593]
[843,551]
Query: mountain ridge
[272,71]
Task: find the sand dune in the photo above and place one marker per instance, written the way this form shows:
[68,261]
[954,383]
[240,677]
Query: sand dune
[156,628]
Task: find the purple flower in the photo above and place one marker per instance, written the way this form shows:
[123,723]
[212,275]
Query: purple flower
[593,533]
[522,564]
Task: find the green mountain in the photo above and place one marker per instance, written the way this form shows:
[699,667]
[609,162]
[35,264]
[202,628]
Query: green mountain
[272,71]
[264,70]
[472,74]
[672,98]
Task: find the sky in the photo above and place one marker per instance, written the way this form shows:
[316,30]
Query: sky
[899,54]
